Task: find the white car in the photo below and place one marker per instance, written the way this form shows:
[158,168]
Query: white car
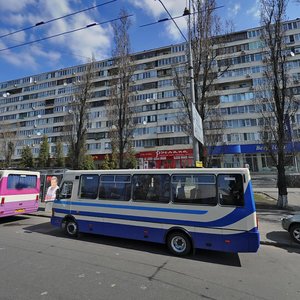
[291,223]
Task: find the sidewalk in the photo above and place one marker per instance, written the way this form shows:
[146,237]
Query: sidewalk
[271,232]
[293,196]
[269,223]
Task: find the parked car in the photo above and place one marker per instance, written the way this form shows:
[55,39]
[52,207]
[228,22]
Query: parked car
[291,223]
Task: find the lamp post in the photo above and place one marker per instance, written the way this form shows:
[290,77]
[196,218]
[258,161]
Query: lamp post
[187,12]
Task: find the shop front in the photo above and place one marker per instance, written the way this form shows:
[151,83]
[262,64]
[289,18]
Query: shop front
[254,156]
[165,159]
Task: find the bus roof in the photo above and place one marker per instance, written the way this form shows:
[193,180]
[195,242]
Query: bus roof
[22,172]
[162,171]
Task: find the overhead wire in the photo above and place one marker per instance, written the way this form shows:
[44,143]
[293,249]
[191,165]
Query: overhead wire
[56,19]
[173,20]
[64,33]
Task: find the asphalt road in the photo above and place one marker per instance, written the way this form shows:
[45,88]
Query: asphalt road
[38,262]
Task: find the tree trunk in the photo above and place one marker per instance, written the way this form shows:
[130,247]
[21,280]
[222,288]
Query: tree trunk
[281,182]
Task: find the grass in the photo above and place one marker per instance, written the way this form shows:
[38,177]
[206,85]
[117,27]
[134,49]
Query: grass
[262,199]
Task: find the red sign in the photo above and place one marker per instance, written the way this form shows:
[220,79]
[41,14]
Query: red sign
[166,153]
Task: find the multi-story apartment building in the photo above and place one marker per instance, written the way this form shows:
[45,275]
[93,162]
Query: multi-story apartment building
[34,106]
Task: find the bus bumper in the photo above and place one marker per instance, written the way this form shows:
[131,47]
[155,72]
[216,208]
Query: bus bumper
[239,242]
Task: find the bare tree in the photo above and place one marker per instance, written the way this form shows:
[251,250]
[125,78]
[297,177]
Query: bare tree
[277,102]
[77,119]
[208,37]
[120,106]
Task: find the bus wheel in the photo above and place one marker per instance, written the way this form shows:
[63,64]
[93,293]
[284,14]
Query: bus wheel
[179,243]
[71,228]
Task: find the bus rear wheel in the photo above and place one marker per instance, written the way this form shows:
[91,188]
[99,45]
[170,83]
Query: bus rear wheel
[179,243]
[71,228]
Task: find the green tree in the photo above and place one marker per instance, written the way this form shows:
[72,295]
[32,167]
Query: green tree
[88,163]
[59,159]
[7,143]
[130,159]
[44,155]
[106,163]
[27,157]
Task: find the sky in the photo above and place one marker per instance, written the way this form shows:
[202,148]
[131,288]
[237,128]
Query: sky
[97,41]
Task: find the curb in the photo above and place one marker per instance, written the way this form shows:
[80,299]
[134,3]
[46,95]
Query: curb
[39,215]
[280,245]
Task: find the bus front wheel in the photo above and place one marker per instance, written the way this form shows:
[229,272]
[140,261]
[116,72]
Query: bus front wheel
[71,228]
[179,243]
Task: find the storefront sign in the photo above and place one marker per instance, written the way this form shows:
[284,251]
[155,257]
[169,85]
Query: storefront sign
[163,154]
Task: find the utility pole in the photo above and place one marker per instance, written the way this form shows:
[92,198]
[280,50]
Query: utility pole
[192,84]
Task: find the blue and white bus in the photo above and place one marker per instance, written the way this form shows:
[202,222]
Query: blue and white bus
[183,208]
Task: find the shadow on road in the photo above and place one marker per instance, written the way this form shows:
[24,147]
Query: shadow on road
[282,240]
[11,221]
[216,257]
[272,216]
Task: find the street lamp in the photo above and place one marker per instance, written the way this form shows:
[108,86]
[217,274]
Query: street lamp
[187,12]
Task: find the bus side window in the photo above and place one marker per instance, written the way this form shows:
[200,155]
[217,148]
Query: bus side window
[230,189]
[66,190]
[194,189]
[89,186]
[115,187]
[151,188]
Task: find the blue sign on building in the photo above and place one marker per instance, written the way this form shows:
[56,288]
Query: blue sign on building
[250,148]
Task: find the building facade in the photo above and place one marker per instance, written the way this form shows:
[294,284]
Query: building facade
[35,106]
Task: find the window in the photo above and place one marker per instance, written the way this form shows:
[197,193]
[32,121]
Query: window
[20,181]
[151,188]
[66,190]
[115,187]
[230,189]
[89,186]
[194,189]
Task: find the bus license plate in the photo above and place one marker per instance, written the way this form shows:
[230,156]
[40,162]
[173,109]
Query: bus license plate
[20,210]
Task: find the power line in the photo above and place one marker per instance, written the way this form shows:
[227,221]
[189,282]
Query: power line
[163,20]
[63,33]
[173,20]
[56,19]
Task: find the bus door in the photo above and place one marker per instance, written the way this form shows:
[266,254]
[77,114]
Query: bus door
[64,195]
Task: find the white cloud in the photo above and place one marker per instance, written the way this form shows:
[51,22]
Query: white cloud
[29,57]
[254,11]
[81,45]
[234,10]
[15,5]
[156,10]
